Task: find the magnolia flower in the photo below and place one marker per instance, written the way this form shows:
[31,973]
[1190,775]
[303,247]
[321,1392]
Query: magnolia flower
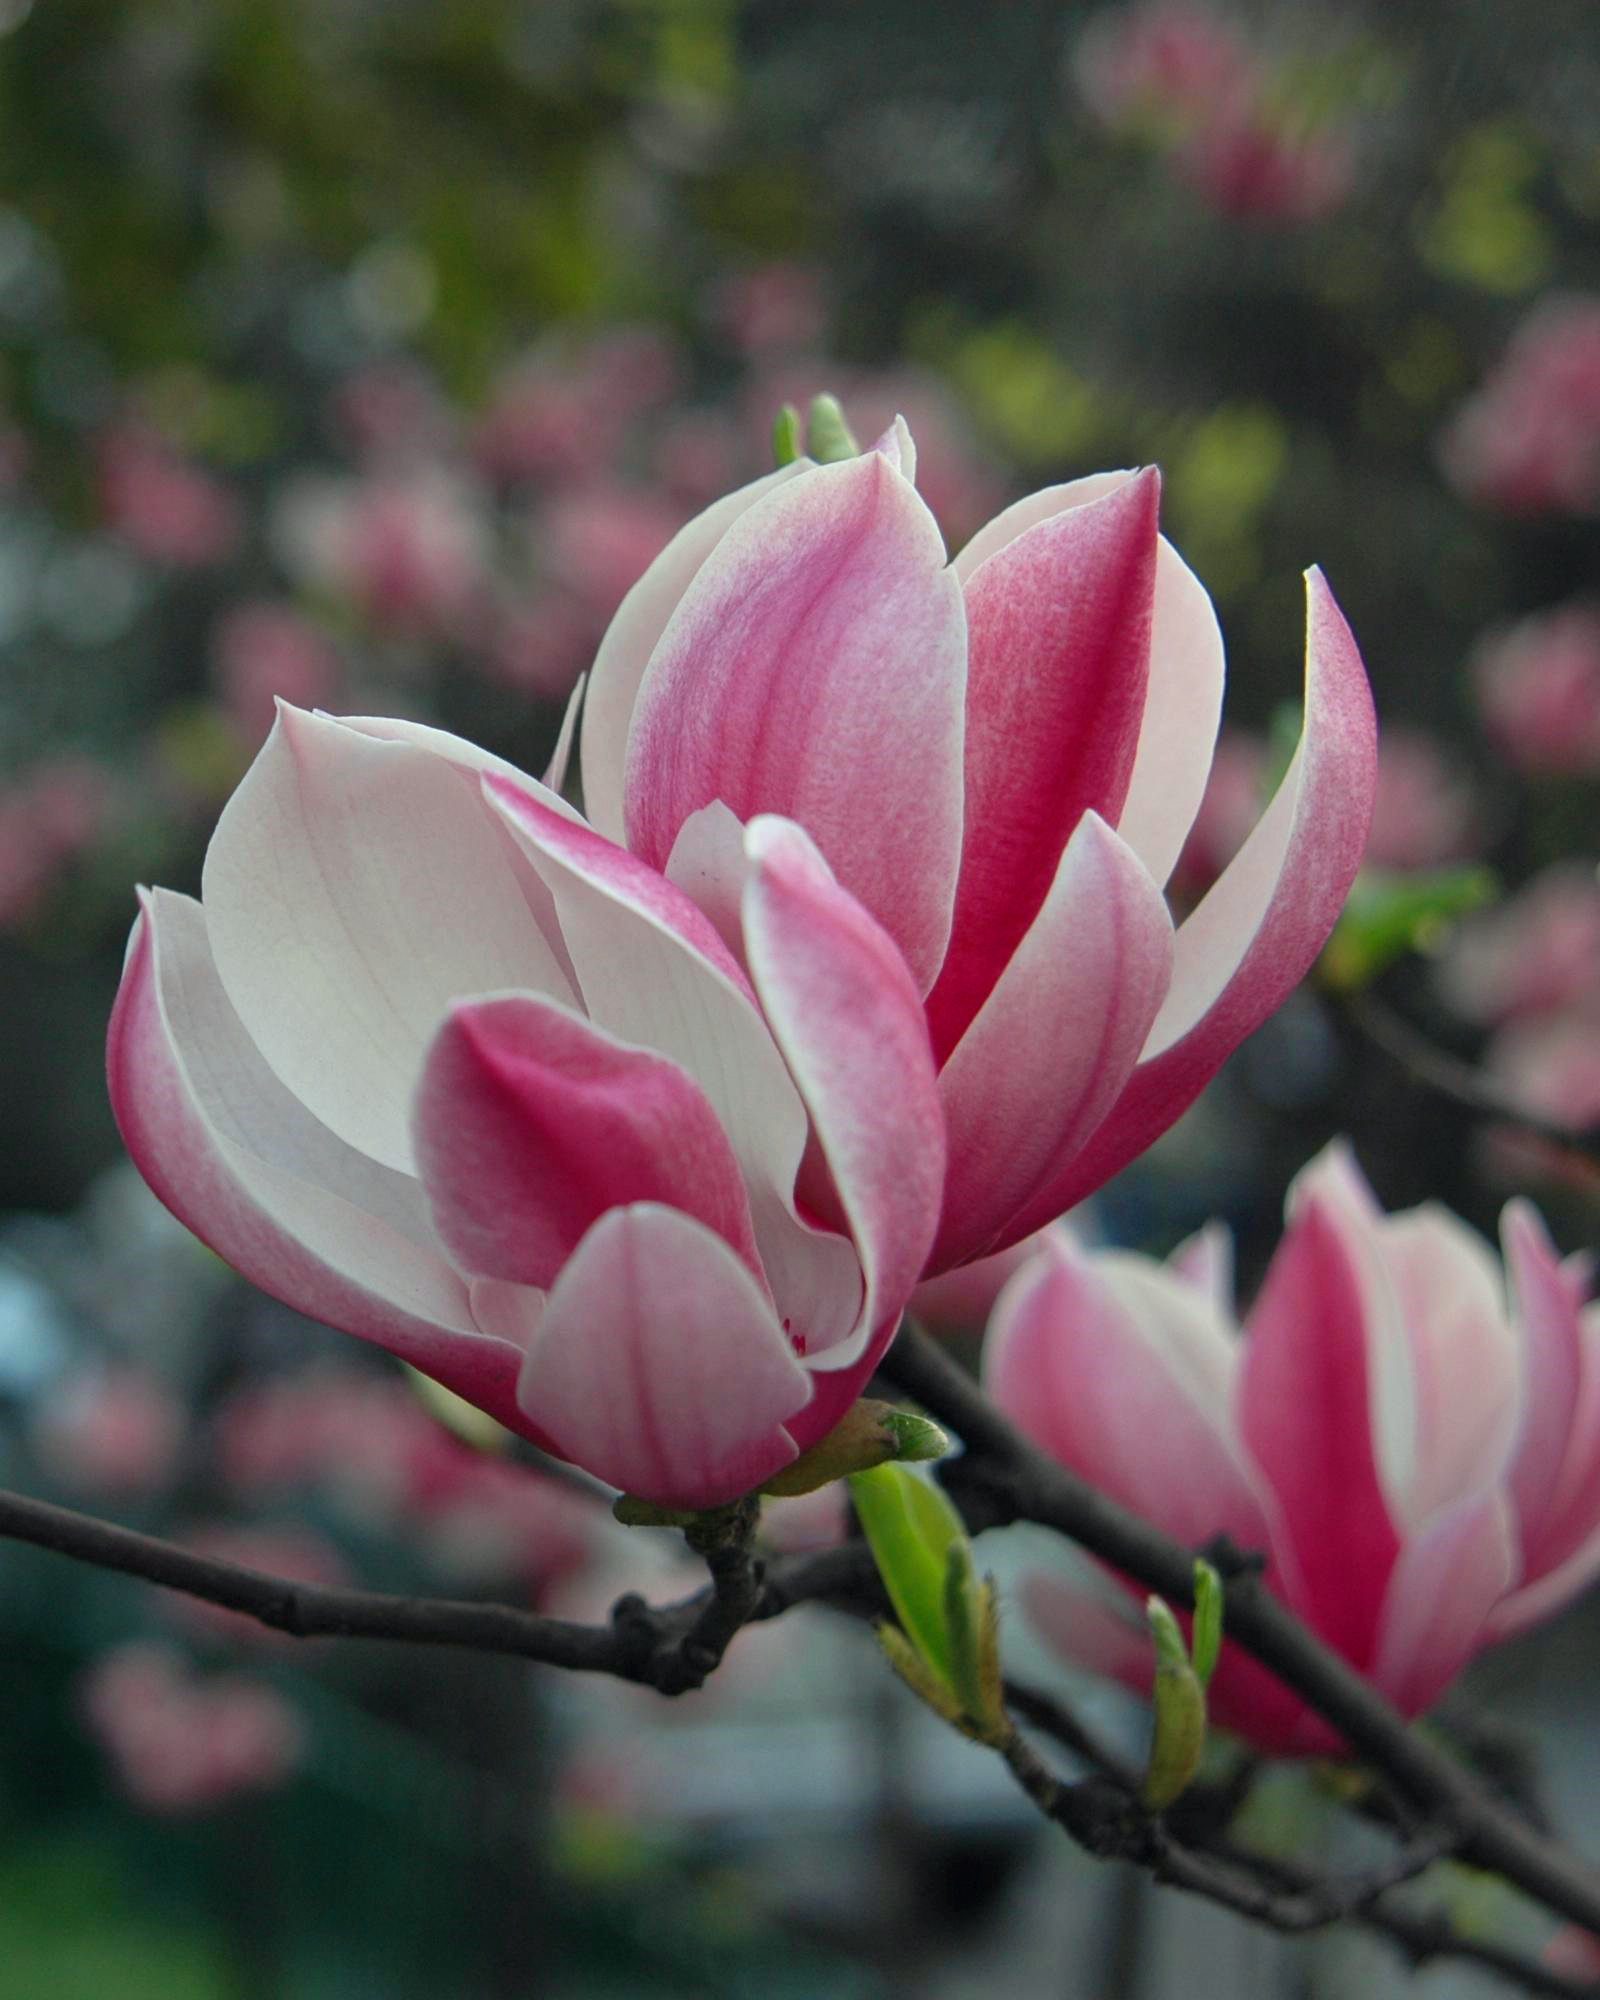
[1412,1442]
[1001,757]
[632,1130]
[439,1065]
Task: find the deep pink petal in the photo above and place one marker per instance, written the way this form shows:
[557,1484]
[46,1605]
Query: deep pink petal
[1057,663]
[654,972]
[1306,1394]
[631,638]
[1184,703]
[1445,1585]
[816,668]
[660,1367]
[1097,1629]
[1120,1373]
[848,1020]
[241,1162]
[1052,1045]
[531,1123]
[1258,932]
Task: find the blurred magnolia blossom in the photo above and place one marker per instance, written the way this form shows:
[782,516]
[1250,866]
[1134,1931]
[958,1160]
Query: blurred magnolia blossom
[263,653]
[114,1431]
[772,308]
[164,507]
[182,1742]
[49,816]
[410,550]
[367,1444]
[1528,441]
[595,541]
[1257,167]
[638,1131]
[1551,1068]
[1538,689]
[1411,1437]
[393,411]
[1188,77]
[564,413]
[1535,956]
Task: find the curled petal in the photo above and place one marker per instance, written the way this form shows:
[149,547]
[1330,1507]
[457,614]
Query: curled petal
[1256,935]
[532,1122]
[1052,1045]
[1118,1371]
[654,972]
[243,1164]
[848,1020]
[631,638]
[816,667]
[353,888]
[659,1366]
[1058,654]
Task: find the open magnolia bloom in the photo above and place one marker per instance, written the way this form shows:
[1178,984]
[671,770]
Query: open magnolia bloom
[1001,756]
[438,1065]
[1412,1440]
[633,1130]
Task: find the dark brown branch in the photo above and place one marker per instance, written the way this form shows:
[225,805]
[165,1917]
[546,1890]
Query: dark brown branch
[1004,1478]
[672,1649]
[1283,1895]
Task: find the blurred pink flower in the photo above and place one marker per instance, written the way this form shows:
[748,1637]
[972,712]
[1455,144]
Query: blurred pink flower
[183,1743]
[1529,440]
[393,410]
[114,1432]
[1257,168]
[1167,60]
[166,508]
[1536,955]
[597,540]
[49,816]
[411,550]
[774,307]
[537,645]
[264,652]
[1538,687]
[1231,805]
[1412,1441]
[1424,812]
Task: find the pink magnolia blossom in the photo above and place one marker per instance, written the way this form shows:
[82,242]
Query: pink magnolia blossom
[1000,757]
[1412,1442]
[263,653]
[116,1431]
[633,1131]
[1528,441]
[168,509]
[1538,688]
[1257,169]
[1535,956]
[440,1065]
[183,1743]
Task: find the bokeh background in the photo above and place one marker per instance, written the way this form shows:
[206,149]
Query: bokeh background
[363,353]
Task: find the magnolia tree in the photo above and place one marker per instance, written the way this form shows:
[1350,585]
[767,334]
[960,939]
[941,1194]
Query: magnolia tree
[642,1125]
